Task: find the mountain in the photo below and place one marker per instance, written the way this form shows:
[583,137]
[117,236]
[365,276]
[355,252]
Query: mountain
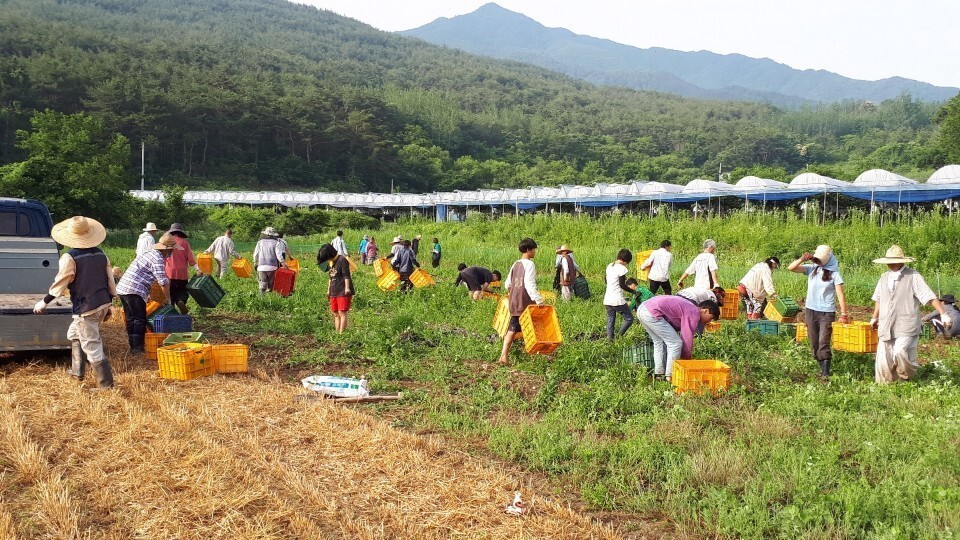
[494,31]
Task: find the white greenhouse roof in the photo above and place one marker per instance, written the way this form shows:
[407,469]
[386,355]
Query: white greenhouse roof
[946,175]
[880,177]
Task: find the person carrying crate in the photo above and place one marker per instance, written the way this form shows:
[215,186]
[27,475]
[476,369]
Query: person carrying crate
[222,249]
[521,287]
[703,268]
[898,296]
[268,256]
[134,288]
[404,262]
[658,264]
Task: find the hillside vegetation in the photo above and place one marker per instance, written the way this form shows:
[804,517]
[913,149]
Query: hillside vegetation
[266,93]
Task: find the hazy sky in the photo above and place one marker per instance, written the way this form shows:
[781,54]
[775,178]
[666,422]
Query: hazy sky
[862,39]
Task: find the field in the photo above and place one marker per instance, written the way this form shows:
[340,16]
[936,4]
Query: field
[781,455]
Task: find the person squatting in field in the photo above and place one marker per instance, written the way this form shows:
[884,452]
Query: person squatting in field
[898,296]
[521,286]
[950,307]
[824,291]
[757,285]
[613,300]
[671,323]
[477,279]
[340,289]
[658,264]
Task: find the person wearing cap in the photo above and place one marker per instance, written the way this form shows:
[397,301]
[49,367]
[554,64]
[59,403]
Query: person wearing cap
[671,322]
[178,265]
[222,249]
[950,307]
[373,250]
[340,288]
[659,263]
[339,245]
[85,272]
[134,287]
[363,249]
[521,287]
[703,267]
[897,298]
[146,240]
[824,292]
[268,257]
[568,271]
[757,285]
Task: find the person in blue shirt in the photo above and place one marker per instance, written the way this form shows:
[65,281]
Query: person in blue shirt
[824,291]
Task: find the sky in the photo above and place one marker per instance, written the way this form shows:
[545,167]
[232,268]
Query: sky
[860,39]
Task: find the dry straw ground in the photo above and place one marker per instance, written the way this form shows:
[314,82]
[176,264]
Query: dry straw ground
[237,457]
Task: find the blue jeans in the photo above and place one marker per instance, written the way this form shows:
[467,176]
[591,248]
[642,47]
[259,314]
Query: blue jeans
[612,319]
[666,341]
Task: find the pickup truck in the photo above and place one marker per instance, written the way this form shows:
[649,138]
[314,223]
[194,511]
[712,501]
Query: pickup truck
[28,263]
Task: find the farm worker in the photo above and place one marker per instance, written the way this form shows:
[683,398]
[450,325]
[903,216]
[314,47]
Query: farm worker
[340,289]
[898,295]
[134,288]
[436,253]
[404,263]
[86,272]
[146,240]
[339,244]
[950,307]
[177,266]
[521,286]
[373,252]
[703,268]
[613,300]
[222,249]
[824,290]
[396,245]
[696,295]
[568,271]
[659,263]
[757,285]
[268,257]
[671,323]
[284,247]
[556,275]
[640,294]
[415,245]
[363,249]
[476,278]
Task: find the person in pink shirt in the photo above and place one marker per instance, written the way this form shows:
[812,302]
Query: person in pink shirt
[671,323]
[177,266]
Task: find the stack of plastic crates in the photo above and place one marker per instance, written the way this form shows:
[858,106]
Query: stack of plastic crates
[185,361]
[783,309]
[731,304]
[158,312]
[242,268]
[856,337]
[541,330]
[421,278]
[699,376]
[388,280]
[205,291]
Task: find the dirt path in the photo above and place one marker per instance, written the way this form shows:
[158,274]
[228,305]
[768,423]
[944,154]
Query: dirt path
[237,457]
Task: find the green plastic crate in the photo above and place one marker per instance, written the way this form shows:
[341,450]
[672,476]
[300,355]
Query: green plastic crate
[641,355]
[205,291]
[786,306]
[788,329]
[764,327]
[162,310]
[184,337]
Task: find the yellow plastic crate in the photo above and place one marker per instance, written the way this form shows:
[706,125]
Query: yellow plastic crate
[152,306]
[771,313]
[151,342]
[541,329]
[231,358]
[549,297]
[856,337]
[712,327]
[205,263]
[389,280]
[380,266]
[731,304]
[353,265]
[242,268]
[185,361]
[698,376]
[643,275]
[420,278]
[156,293]
[501,318]
[294,264]
[494,284]
[801,333]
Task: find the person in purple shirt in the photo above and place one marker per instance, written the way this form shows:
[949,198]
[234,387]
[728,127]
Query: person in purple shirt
[671,323]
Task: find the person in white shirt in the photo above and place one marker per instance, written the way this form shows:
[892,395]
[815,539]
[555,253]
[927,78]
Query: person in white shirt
[698,296]
[703,268]
[757,285]
[613,299]
[659,263]
[339,244]
[222,249]
[521,287]
[146,241]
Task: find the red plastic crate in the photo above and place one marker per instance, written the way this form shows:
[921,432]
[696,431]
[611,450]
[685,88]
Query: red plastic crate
[284,282]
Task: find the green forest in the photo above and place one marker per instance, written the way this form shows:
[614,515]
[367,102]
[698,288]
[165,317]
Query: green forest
[259,94]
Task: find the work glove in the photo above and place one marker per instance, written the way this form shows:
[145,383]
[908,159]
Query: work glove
[946,320]
[40,307]
[874,323]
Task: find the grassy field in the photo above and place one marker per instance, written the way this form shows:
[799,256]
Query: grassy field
[781,455]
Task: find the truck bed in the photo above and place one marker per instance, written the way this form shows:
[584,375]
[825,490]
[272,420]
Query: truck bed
[18,304]
[22,330]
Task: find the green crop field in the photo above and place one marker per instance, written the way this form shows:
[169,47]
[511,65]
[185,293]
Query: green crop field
[781,454]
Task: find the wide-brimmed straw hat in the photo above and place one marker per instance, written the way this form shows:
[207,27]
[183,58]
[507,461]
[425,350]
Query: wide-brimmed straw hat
[894,256]
[397,240]
[564,249]
[151,227]
[79,232]
[178,228]
[167,242]
[269,231]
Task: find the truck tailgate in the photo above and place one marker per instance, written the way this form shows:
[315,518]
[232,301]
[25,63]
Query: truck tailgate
[22,330]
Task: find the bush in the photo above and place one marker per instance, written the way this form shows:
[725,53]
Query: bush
[246,222]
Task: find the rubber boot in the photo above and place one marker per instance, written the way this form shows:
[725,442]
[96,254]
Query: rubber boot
[825,366]
[137,343]
[78,361]
[104,373]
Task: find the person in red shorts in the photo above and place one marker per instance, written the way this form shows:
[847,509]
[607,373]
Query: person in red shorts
[340,288]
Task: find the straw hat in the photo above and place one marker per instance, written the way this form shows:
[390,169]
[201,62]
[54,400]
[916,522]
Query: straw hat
[176,227]
[79,232]
[151,227]
[823,253]
[564,249]
[167,242]
[396,240]
[894,256]
[269,231]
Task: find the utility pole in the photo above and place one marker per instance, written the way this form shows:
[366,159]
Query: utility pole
[143,162]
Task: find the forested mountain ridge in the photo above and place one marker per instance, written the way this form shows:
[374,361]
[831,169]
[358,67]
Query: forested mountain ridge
[495,31]
[266,94]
